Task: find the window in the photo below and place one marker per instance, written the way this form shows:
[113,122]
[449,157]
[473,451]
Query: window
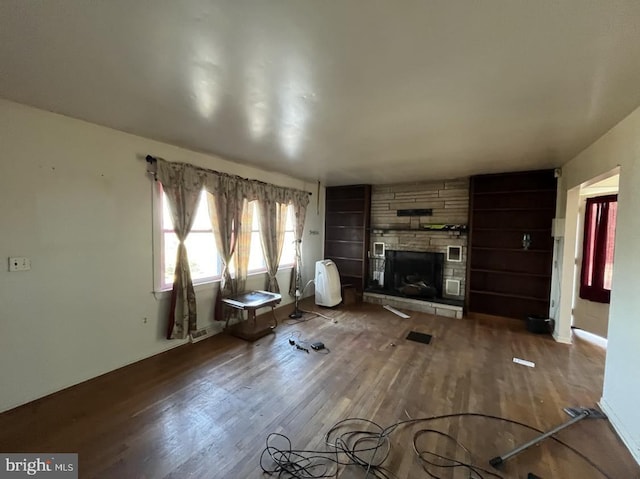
[256,257]
[204,261]
[201,246]
[288,257]
[597,248]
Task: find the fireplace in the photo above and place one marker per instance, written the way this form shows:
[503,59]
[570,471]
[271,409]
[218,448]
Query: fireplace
[413,274]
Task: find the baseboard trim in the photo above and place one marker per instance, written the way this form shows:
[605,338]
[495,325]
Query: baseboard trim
[621,430]
[561,339]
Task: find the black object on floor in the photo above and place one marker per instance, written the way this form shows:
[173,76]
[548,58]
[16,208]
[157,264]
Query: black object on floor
[419,337]
[539,324]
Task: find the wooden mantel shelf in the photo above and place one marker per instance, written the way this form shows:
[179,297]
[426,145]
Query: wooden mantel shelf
[440,228]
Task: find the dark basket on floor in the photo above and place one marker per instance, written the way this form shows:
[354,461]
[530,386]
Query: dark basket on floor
[539,325]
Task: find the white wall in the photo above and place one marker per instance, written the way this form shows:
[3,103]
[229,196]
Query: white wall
[76,199]
[589,315]
[620,146]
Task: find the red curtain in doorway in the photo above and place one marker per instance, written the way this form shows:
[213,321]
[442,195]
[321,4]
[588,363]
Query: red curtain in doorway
[597,249]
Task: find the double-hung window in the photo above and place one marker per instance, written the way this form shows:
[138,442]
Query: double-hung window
[204,261]
[201,246]
[288,257]
[256,258]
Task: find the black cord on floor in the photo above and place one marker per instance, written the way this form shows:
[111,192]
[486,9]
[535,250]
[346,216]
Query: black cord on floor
[362,443]
[296,339]
[297,320]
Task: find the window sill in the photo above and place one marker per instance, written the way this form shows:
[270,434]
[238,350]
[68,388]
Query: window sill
[206,285]
[197,287]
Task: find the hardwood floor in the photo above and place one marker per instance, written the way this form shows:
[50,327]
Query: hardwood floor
[205,410]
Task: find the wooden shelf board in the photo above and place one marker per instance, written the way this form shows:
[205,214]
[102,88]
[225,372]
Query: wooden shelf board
[524,230]
[342,241]
[361,227]
[511,192]
[346,199]
[484,210]
[511,250]
[512,273]
[507,295]
[375,229]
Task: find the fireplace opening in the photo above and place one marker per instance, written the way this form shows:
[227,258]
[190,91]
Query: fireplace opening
[414,274]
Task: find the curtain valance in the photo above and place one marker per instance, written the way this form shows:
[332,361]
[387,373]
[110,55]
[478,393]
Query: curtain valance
[218,183]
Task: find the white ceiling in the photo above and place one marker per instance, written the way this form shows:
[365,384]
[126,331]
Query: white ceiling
[350,91]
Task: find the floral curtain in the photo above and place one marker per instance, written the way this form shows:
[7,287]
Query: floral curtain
[231,217]
[225,211]
[243,248]
[182,184]
[299,201]
[272,208]
[233,241]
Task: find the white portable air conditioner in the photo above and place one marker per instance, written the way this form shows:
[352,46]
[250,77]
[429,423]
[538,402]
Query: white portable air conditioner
[327,283]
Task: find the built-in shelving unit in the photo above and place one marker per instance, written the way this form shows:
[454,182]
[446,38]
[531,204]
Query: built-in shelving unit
[505,277]
[347,230]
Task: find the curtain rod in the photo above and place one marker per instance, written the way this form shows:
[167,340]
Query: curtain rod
[152,159]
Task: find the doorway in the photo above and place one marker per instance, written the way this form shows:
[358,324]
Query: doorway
[579,309]
[590,316]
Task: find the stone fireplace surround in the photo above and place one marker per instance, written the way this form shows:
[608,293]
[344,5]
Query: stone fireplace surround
[449,202]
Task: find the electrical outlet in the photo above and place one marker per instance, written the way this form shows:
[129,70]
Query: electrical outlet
[19,263]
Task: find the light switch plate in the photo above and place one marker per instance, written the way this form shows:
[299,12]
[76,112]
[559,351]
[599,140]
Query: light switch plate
[19,263]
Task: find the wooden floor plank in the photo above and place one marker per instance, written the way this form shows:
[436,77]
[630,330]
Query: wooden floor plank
[205,410]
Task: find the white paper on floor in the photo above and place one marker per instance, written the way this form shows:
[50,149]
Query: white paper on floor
[395,311]
[524,362]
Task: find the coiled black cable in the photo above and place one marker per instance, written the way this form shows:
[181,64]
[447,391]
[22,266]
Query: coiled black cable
[365,444]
